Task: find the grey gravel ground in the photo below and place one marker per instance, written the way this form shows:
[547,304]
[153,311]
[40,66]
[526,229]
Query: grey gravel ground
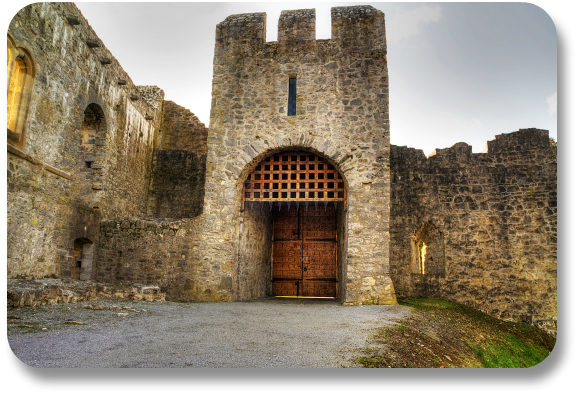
[286,333]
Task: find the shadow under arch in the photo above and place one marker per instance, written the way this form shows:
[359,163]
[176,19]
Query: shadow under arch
[88,175]
[257,236]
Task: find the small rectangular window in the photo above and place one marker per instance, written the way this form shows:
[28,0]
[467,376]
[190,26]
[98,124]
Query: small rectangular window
[292,103]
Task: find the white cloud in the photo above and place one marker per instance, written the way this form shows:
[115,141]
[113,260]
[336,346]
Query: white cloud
[406,24]
[552,103]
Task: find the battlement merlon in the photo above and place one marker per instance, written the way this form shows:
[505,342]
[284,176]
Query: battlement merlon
[296,25]
[521,140]
[358,26]
[245,30]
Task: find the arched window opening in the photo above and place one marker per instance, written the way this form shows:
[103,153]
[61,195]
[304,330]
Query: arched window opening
[429,251]
[20,80]
[88,172]
[422,249]
[82,257]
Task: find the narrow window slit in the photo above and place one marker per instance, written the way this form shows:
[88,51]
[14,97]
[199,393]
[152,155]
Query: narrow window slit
[292,104]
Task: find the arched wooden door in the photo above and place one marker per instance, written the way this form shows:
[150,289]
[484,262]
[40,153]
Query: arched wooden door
[302,190]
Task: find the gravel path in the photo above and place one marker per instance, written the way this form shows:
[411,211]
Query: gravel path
[293,333]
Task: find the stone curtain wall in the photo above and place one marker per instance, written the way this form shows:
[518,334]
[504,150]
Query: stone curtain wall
[149,251]
[497,214]
[342,114]
[179,164]
[73,70]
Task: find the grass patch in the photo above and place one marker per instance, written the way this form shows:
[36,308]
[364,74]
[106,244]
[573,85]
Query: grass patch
[445,334]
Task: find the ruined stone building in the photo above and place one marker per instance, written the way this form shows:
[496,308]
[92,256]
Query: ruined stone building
[294,189]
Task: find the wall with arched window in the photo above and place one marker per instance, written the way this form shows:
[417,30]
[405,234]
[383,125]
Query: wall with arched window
[19,81]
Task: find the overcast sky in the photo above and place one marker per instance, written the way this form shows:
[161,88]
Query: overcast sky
[459,72]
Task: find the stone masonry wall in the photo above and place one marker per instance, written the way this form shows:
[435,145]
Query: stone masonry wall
[497,219]
[255,251]
[342,115]
[153,251]
[74,70]
[179,163]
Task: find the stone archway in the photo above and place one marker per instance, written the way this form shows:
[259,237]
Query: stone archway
[292,231]
[89,170]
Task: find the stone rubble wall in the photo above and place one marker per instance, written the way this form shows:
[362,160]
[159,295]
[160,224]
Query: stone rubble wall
[178,181]
[163,252]
[152,95]
[33,293]
[342,114]
[255,251]
[43,211]
[497,212]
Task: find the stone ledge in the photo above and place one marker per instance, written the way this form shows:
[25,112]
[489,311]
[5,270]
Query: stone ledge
[32,160]
[23,292]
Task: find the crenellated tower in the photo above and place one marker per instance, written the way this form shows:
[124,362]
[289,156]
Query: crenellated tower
[340,115]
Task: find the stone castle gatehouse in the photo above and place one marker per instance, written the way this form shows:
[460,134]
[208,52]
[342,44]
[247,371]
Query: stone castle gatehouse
[293,190]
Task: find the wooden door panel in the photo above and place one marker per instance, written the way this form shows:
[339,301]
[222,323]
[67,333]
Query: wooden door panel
[313,288]
[285,288]
[287,256]
[304,249]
